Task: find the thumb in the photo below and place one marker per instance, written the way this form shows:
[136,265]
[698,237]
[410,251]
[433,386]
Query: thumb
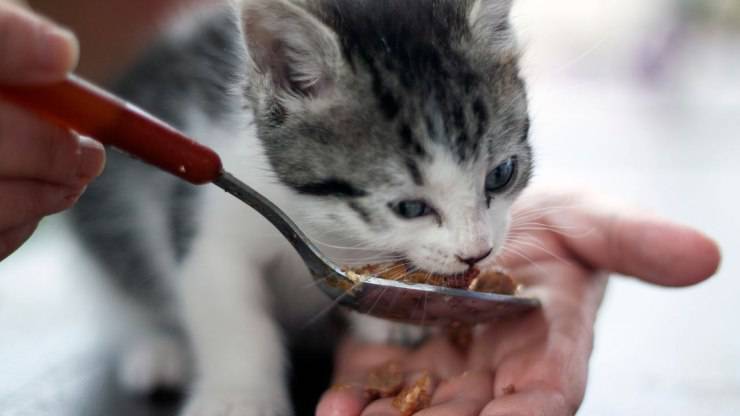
[33,50]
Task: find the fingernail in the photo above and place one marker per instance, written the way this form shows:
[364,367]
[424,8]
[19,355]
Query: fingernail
[57,49]
[73,197]
[92,159]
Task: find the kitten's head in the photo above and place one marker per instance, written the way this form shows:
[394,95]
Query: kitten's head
[403,122]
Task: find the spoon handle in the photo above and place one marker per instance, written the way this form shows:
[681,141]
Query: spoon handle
[80,106]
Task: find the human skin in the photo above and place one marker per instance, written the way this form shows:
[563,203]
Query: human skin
[43,169]
[564,247]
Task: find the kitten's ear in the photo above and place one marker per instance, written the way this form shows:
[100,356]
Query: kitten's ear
[490,24]
[293,49]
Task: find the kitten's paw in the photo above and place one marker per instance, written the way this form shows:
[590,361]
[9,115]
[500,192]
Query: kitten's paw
[236,405]
[154,363]
[369,329]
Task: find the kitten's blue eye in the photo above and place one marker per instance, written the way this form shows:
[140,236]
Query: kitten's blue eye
[499,178]
[412,209]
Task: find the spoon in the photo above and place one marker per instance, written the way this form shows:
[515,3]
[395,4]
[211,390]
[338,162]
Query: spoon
[80,106]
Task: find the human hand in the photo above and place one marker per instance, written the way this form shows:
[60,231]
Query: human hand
[562,247]
[43,169]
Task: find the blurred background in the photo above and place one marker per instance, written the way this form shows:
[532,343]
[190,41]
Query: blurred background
[639,100]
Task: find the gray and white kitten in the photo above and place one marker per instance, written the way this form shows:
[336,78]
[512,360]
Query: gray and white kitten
[385,128]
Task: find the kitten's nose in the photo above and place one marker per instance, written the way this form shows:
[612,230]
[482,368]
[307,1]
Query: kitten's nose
[471,261]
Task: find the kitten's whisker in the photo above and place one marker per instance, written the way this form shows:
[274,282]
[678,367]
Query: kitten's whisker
[356,247]
[394,266]
[535,244]
[524,230]
[395,298]
[543,224]
[424,305]
[357,264]
[377,300]
[325,310]
[314,283]
[525,257]
[410,270]
[512,239]
[364,246]
[331,306]
[366,260]
[523,214]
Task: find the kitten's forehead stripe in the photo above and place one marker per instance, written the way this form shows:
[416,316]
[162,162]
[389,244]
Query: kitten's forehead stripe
[414,171]
[458,117]
[409,142]
[330,187]
[407,136]
[481,113]
[389,105]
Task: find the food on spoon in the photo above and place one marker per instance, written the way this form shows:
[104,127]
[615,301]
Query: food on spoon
[494,281]
[401,272]
[415,397]
[491,281]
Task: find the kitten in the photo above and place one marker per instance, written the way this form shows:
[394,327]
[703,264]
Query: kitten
[385,128]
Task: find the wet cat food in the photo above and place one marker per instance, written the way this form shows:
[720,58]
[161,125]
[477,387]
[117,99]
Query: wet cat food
[492,281]
[415,397]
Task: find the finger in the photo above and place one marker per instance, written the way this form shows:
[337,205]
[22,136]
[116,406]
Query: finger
[653,250]
[607,236]
[33,50]
[343,399]
[30,149]
[539,402]
[382,407]
[353,362]
[11,239]
[25,201]
[464,395]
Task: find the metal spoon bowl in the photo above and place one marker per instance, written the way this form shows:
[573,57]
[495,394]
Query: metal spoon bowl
[88,110]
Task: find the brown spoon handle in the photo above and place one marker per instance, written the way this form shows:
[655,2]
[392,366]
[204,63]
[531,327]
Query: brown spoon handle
[80,106]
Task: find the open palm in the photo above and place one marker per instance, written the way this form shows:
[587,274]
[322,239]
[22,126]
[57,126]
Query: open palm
[563,247]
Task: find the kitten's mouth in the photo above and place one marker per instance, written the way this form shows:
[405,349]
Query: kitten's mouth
[407,273]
